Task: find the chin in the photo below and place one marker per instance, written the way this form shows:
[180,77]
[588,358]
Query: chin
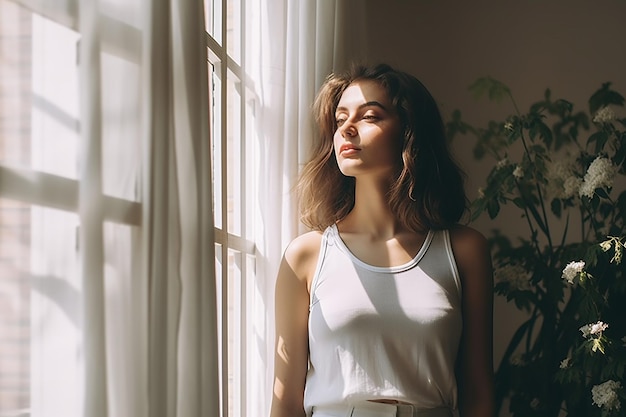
[350,171]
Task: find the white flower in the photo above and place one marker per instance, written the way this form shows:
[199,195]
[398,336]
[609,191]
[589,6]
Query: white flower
[481,192]
[606,245]
[593,328]
[572,269]
[617,245]
[508,126]
[562,182]
[565,363]
[571,186]
[518,172]
[517,277]
[604,115]
[605,395]
[600,174]
[502,163]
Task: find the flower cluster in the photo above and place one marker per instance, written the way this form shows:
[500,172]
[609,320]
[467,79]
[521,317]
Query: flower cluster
[614,243]
[604,115]
[572,270]
[515,275]
[600,174]
[605,395]
[562,180]
[593,329]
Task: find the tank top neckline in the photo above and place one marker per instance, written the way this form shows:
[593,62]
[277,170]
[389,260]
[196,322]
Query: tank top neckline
[336,237]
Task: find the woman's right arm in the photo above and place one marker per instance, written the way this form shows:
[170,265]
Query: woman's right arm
[291,313]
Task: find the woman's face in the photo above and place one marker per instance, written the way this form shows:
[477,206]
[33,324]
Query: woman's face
[368,139]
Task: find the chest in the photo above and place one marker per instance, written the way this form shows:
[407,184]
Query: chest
[385,253]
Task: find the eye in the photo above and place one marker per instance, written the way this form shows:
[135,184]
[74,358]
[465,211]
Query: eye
[339,121]
[370,117]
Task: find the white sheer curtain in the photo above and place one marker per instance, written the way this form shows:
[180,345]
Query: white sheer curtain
[297,44]
[117,276]
[117,263]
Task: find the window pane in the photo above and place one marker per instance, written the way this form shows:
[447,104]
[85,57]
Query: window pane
[222,316]
[15,323]
[40,292]
[234,154]
[251,168]
[38,92]
[15,83]
[215,82]
[126,306]
[236,333]
[233,30]
[213,19]
[54,109]
[121,126]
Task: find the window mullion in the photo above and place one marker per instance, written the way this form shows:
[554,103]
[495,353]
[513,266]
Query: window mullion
[224,208]
[53,191]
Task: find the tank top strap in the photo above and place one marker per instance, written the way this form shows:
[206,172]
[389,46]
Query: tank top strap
[442,256]
[318,267]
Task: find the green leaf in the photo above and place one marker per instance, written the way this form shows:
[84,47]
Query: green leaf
[477,207]
[620,154]
[601,192]
[519,202]
[537,217]
[600,139]
[604,97]
[591,257]
[556,207]
[539,128]
[493,208]
[494,89]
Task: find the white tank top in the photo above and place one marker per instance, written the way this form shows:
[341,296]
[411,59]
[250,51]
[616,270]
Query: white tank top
[384,333]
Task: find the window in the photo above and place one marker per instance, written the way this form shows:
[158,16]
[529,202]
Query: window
[234,156]
[39,114]
[41,284]
[42,274]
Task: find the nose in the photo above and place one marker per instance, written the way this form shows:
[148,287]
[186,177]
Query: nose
[347,129]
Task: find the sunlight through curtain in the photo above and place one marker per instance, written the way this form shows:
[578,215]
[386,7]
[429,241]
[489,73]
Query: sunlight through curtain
[110,275]
[297,44]
[107,263]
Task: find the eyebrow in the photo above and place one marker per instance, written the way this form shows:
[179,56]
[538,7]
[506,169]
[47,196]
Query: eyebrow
[367,104]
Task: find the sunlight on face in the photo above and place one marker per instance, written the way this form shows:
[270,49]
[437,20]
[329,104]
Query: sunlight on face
[367,139]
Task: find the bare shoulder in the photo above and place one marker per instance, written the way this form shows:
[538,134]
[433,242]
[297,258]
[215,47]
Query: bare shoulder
[467,241]
[303,247]
[471,251]
[302,253]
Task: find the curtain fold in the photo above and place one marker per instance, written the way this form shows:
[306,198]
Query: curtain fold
[91,236]
[295,51]
[180,262]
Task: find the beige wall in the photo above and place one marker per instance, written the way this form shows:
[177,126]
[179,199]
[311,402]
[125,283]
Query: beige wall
[570,46]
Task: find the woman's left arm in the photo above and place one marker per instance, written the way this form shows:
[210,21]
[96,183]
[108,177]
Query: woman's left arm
[475,357]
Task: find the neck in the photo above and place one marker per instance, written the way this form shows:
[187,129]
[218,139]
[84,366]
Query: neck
[371,214]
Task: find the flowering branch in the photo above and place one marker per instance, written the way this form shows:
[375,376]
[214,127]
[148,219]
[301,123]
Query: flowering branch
[570,355]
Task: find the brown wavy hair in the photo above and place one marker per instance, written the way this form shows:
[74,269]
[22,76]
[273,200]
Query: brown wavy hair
[428,192]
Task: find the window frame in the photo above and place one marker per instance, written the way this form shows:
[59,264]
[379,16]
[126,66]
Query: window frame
[236,251]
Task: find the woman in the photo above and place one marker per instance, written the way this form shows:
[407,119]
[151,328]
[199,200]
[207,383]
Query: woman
[385,307]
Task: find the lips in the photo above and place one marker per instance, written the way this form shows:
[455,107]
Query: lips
[348,148]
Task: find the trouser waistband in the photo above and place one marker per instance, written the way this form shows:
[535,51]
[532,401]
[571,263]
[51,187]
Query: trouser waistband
[373,409]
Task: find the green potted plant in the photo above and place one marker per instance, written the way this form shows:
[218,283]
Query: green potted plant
[558,167]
